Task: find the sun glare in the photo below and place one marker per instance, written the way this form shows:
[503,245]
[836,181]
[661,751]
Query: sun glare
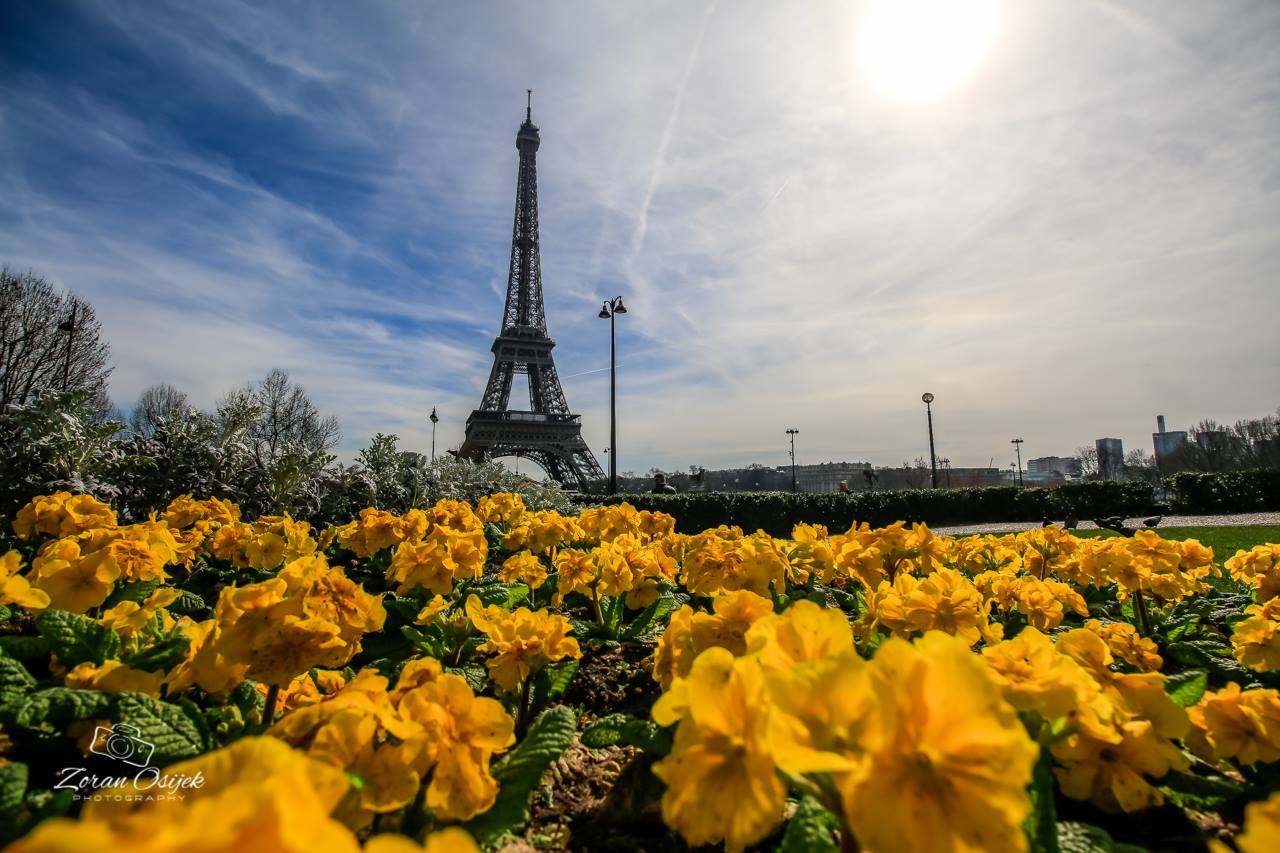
[924,49]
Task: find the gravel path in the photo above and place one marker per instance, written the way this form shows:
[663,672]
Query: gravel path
[1167,521]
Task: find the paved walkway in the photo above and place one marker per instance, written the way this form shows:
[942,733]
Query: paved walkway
[1167,521]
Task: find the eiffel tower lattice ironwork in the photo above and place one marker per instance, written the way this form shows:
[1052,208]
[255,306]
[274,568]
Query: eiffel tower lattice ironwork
[547,432]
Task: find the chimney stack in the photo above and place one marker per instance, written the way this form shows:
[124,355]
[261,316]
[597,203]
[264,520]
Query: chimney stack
[1160,423]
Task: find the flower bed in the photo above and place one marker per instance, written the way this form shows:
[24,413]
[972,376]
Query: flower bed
[457,676]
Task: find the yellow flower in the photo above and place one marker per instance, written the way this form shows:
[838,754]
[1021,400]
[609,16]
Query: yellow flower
[948,601]
[463,733]
[114,677]
[523,566]
[1244,725]
[129,617]
[1123,641]
[500,508]
[1257,639]
[952,769]
[676,651]
[77,584]
[437,605]
[62,514]
[1139,695]
[722,783]
[1044,602]
[16,589]
[1112,775]
[1034,676]
[525,641]
[183,511]
[726,626]
[257,794]
[204,665]
[804,633]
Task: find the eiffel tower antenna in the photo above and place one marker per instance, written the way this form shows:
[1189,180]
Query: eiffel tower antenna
[547,432]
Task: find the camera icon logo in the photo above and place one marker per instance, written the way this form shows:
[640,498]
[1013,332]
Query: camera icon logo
[123,743]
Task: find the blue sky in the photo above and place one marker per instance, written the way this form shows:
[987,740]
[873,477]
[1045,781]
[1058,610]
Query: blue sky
[1080,235]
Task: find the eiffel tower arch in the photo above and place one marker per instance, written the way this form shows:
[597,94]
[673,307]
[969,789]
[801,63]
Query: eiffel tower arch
[547,432]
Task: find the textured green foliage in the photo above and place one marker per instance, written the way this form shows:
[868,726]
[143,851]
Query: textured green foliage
[61,705]
[1256,490]
[623,729]
[160,656]
[810,830]
[173,733]
[651,620]
[1076,837]
[520,771]
[15,681]
[75,638]
[1186,688]
[1041,823]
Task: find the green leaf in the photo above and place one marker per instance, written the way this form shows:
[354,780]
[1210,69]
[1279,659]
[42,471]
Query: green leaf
[629,731]
[75,638]
[247,698]
[553,681]
[13,788]
[476,675]
[189,604]
[649,618]
[15,681]
[25,648]
[810,830]
[1186,688]
[519,773]
[61,705]
[1041,823]
[1188,789]
[136,592]
[612,608]
[162,726]
[1076,837]
[159,656]
[516,593]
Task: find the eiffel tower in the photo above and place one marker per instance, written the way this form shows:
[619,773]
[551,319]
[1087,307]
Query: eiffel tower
[546,432]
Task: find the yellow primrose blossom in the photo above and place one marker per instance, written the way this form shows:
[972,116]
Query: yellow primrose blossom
[73,582]
[721,778]
[1261,828]
[523,567]
[1139,695]
[951,768]
[451,839]
[184,511]
[804,633]
[16,589]
[500,508]
[1123,641]
[1231,723]
[62,514]
[114,677]
[1113,775]
[948,601]
[525,641]
[128,618]
[1044,602]
[1256,640]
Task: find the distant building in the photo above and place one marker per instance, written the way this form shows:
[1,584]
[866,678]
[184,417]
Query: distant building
[1168,445]
[826,476]
[1110,458]
[1063,466]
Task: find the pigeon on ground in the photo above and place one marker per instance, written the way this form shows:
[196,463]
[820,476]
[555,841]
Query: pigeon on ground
[1046,523]
[1071,523]
[1152,521]
[1115,523]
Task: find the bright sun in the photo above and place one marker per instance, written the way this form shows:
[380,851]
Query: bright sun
[923,49]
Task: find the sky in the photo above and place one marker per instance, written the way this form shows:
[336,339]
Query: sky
[1060,217]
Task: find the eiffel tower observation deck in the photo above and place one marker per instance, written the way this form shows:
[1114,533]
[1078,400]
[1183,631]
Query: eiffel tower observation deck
[547,432]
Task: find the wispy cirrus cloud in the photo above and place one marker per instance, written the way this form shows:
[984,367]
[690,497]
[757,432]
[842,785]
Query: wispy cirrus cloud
[1080,238]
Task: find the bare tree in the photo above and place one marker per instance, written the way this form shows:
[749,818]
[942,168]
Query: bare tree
[156,406]
[48,339]
[1088,458]
[285,416]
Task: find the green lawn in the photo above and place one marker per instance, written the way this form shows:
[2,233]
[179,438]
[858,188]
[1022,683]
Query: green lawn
[1224,541]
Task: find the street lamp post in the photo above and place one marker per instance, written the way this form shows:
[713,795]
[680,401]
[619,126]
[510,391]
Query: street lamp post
[946,466]
[1017,446]
[435,419]
[69,326]
[793,433]
[613,307]
[927,398]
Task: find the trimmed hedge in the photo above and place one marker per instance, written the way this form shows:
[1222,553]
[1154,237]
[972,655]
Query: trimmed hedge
[1256,490]
[777,512]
